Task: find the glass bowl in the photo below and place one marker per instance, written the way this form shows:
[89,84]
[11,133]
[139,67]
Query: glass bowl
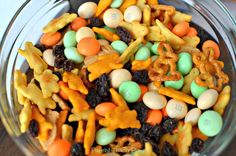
[27,25]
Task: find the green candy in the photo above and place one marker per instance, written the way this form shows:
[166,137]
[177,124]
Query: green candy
[69,39]
[72,54]
[154,49]
[210,123]
[116,3]
[197,90]
[142,54]
[149,45]
[130,91]
[105,137]
[175,84]
[119,46]
[185,63]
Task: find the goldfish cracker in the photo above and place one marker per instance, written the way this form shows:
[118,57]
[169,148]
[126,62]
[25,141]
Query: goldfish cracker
[84,46]
[61,120]
[144,89]
[152,2]
[181,29]
[214,45]
[154,117]
[102,6]
[79,137]
[126,4]
[78,23]
[110,36]
[192,32]
[103,108]
[59,148]
[63,95]
[50,39]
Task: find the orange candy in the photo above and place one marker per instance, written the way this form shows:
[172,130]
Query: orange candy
[181,29]
[154,117]
[59,148]
[214,45]
[192,32]
[164,113]
[88,46]
[78,23]
[50,39]
[144,89]
[104,107]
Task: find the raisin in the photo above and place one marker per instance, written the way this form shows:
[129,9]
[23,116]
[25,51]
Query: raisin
[95,22]
[106,149]
[59,62]
[128,66]
[103,85]
[168,149]
[77,149]
[58,74]
[196,146]
[93,98]
[155,147]
[141,110]
[68,65]
[124,34]
[34,128]
[41,47]
[124,132]
[141,77]
[169,125]
[58,51]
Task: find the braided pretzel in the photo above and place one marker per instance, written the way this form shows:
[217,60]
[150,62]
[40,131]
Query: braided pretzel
[162,12]
[164,64]
[120,144]
[211,74]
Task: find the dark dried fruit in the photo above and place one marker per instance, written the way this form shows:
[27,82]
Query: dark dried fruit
[141,77]
[34,128]
[77,150]
[102,86]
[41,47]
[106,149]
[169,125]
[93,98]
[141,110]
[155,147]
[196,146]
[58,74]
[68,65]
[128,66]
[168,149]
[58,51]
[124,34]
[95,22]
[59,62]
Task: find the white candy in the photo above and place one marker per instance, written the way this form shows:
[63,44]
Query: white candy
[87,10]
[176,109]
[132,13]
[153,100]
[118,76]
[192,116]
[207,99]
[48,57]
[84,32]
[112,17]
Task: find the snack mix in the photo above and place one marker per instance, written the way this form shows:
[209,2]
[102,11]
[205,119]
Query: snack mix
[122,77]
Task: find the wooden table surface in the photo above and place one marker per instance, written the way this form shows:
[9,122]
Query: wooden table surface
[9,148]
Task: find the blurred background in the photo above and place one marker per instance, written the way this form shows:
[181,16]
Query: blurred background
[7,9]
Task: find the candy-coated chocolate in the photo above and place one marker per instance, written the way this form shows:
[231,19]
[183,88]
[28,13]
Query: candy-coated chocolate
[105,137]
[153,100]
[116,3]
[210,123]
[88,46]
[48,57]
[72,54]
[149,45]
[112,17]
[197,90]
[142,54]
[69,39]
[84,32]
[207,99]
[185,63]
[192,116]
[103,108]
[119,46]
[175,84]
[176,109]
[154,48]
[133,13]
[87,10]
[130,91]
[118,76]
[154,117]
